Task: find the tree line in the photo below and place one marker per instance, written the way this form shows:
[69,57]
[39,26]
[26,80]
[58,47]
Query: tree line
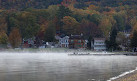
[68,17]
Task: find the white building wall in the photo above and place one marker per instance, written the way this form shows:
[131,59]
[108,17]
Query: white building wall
[99,45]
[64,42]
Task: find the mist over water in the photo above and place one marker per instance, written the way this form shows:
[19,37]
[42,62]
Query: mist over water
[61,67]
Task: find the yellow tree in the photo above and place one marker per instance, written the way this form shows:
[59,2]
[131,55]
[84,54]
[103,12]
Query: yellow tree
[3,38]
[135,27]
[105,25]
[70,25]
[15,38]
[52,10]
[92,7]
[133,22]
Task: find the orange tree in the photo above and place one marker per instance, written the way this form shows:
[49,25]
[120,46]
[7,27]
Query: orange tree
[15,38]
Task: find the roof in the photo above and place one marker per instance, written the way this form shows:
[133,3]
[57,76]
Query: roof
[66,37]
[57,37]
[76,37]
[99,39]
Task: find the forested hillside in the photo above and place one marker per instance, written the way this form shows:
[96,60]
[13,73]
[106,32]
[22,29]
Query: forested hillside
[41,4]
[45,18]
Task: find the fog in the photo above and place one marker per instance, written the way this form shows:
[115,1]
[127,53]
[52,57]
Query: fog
[59,66]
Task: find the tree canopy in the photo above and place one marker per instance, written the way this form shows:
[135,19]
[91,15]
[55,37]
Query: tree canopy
[46,18]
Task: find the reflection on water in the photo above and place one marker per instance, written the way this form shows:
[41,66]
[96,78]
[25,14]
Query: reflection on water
[61,67]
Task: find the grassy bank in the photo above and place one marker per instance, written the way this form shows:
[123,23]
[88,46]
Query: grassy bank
[128,77]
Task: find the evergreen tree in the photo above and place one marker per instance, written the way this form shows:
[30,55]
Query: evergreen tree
[63,11]
[50,33]
[89,42]
[28,25]
[95,18]
[120,22]
[111,44]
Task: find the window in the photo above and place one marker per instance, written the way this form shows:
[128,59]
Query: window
[79,41]
[66,45]
[72,41]
[66,40]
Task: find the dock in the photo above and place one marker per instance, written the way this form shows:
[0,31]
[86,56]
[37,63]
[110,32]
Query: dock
[103,54]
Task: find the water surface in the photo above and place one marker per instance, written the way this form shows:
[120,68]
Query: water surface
[61,67]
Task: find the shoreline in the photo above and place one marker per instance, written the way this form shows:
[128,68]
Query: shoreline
[69,51]
[126,76]
[129,77]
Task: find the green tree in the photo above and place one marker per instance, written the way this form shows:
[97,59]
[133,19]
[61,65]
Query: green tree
[25,21]
[28,25]
[134,39]
[95,18]
[121,38]
[120,20]
[42,14]
[78,17]
[63,11]
[12,22]
[89,42]
[111,43]
[52,10]
[3,23]
[50,33]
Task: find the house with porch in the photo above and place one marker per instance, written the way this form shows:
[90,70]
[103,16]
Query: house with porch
[77,41]
[98,44]
[64,42]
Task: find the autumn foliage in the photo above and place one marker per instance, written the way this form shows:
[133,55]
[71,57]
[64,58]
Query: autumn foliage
[45,18]
[3,38]
[15,38]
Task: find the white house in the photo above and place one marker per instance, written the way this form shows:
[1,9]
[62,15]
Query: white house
[64,42]
[98,44]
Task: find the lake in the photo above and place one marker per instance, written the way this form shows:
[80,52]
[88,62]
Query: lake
[61,67]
